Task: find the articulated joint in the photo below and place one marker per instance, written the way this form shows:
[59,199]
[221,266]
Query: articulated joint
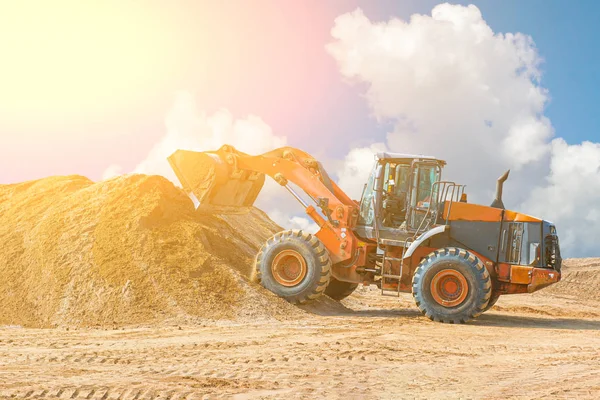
[279,178]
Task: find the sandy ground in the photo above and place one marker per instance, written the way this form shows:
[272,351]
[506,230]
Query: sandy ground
[529,346]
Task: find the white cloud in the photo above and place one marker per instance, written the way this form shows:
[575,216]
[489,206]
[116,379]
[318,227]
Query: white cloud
[189,128]
[112,171]
[356,168]
[571,195]
[455,89]
[290,221]
[453,86]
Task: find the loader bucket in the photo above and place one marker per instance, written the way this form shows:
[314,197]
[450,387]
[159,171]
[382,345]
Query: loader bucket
[213,181]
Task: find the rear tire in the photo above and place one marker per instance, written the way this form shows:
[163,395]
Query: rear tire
[493,299]
[339,290]
[451,285]
[294,265]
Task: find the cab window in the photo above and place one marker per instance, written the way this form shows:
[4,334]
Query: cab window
[396,177]
[402,179]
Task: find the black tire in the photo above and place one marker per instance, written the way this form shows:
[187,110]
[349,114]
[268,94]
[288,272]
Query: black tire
[443,263]
[493,299]
[317,266]
[339,290]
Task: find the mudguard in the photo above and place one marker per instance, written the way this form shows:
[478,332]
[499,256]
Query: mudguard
[424,236]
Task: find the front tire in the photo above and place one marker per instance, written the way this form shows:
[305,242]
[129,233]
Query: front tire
[451,285]
[294,265]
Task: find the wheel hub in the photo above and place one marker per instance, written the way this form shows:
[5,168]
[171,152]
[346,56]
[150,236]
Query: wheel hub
[289,268]
[449,288]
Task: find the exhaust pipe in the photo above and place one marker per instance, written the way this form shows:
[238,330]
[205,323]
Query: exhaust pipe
[497,203]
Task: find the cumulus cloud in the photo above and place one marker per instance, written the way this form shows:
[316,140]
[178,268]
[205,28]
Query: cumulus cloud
[189,128]
[112,171]
[290,217]
[356,168]
[456,89]
[571,195]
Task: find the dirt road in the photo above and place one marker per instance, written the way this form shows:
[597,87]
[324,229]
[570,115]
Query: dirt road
[529,346]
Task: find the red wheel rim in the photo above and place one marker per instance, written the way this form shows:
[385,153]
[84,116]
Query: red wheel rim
[288,268]
[449,288]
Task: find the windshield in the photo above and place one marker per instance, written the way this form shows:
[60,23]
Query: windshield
[366,203]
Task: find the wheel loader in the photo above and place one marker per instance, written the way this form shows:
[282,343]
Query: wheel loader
[410,232]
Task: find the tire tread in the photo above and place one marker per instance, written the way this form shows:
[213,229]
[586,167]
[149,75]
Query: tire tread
[321,257]
[482,277]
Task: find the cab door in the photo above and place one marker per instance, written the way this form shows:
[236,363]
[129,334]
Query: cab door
[423,194]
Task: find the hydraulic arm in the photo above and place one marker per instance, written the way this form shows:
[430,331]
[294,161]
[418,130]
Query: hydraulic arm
[228,177]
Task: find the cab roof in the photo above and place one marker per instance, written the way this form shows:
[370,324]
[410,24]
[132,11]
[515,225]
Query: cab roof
[385,155]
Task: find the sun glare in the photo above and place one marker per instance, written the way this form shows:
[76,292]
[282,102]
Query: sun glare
[75,58]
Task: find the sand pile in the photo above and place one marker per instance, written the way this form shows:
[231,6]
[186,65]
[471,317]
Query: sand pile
[580,278]
[130,250]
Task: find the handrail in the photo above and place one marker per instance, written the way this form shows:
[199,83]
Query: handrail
[444,188]
[455,195]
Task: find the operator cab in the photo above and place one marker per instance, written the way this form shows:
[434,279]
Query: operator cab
[398,196]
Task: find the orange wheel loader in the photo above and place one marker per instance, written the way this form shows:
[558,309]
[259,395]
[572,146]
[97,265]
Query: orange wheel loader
[410,232]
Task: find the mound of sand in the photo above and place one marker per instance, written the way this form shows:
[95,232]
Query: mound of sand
[580,278]
[130,250]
